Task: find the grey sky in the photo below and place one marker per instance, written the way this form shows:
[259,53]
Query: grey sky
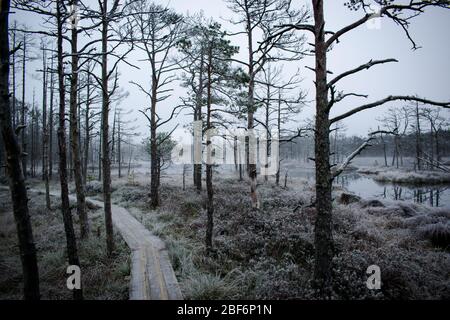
[425,72]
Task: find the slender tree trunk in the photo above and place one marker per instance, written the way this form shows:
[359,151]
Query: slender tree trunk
[199,117]
[277,176]
[209,185]
[436,141]
[113,137]
[384,150]
[323,226]
[74,143]
[119,151]
[15,174]
[23,113]
[154,187]
[251,163]
[65,205]
[31,133]
[105,134]
[418,147]
[267,120]
[87,137]
[50,123]
[100,148]
[45,130]
[13,65]
[431,145]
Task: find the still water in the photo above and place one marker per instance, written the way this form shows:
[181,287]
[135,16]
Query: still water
[364,186]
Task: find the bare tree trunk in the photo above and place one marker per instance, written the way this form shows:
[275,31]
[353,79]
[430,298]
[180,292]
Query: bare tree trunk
[113,137]
[31,133]
[277,176]
[50,123]
[100,148]
[198,114]
[418,147]
[384,149]
[13,65]
[74,143]
[154,187]
[23,113]
[119,151]
[285,179]
[436,141]
[209,185]
[45,130]
[105,134]
[235,155]
[65,205]
[129,161]
[16,179]
[251,165]
[431,144]
[87,131]
[323,226]
[267,123]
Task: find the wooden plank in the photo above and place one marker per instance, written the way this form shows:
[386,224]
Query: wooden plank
[152,275]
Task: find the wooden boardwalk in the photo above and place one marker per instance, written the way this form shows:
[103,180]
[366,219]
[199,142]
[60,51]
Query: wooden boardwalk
[152,275]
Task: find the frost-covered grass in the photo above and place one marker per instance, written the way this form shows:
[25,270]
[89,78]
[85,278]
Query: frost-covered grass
[102,278]
[383,174]
[269,254]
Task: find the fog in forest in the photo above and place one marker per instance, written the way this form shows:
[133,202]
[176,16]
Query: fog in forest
[224,150]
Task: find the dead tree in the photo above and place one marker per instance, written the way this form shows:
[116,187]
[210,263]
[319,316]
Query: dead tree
[45,127]
[192,62]
[279,106]
[74,120]
[13,71]
[61,18]
[154,30]
[56,16]
[326,98]
[220,82]
[104,18]
[15,174]
[397,121]
[124,133]
[437,122]
[23,109]
[261,17]
[50,119]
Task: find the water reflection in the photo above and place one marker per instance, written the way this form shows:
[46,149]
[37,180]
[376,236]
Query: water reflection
[433,195]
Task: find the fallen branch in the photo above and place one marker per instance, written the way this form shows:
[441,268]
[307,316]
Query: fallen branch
[435,165]
[340,168]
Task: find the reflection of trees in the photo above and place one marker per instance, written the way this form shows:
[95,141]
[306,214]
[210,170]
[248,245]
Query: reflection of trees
[430,195]
[398,193]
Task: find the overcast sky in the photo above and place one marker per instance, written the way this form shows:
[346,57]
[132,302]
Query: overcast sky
[425,72]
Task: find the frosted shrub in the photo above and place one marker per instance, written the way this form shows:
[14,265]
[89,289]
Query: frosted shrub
[438,234]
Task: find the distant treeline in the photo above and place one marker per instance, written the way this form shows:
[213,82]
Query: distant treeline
[303,148]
